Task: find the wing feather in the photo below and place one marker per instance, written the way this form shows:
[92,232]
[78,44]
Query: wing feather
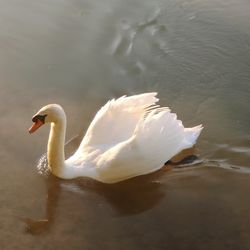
[117,120]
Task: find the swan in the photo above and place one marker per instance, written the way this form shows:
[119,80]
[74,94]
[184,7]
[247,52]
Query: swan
[128,137]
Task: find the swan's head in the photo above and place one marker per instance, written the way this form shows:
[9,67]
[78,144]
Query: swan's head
[52,113]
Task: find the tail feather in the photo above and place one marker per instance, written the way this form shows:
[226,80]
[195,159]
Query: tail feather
[191,136]
[161,136]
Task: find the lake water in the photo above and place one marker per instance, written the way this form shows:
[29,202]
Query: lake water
[81,53]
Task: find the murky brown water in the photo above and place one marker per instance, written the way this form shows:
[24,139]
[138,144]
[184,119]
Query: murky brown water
[196,54]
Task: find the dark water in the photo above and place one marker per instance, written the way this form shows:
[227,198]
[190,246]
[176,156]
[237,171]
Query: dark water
[79,54]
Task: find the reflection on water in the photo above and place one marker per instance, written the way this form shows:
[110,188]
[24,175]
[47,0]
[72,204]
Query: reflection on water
[41,225]
[82,53]
[126,198]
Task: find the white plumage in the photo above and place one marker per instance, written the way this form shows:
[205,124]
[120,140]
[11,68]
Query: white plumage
[129,136]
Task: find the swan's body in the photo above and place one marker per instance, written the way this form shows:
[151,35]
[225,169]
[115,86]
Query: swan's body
[129,136]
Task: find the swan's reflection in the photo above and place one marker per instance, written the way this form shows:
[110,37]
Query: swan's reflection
[126,198]
[42,225]
[132,196]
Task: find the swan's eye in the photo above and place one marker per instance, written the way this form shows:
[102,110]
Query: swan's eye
[39,117]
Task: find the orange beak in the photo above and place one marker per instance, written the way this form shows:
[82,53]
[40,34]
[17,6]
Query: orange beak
[36,125]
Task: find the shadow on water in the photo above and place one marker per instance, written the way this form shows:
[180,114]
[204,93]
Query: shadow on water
[42,225]
[133,196]
[126,198]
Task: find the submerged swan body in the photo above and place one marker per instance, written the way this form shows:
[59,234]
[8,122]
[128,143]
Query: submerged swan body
[128,137]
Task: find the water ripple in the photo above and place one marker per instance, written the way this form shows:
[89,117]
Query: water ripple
[124,41]
[223,163]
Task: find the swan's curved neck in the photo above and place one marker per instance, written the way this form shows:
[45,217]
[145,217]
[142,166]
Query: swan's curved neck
[55,149]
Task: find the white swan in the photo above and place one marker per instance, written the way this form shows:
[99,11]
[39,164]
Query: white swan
[129,136]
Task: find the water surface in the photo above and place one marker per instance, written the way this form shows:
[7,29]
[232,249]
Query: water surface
[195,54]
